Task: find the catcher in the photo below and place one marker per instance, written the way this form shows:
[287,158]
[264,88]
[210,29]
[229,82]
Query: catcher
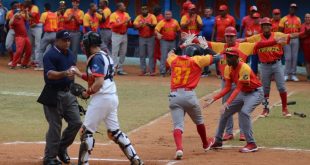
[104,101]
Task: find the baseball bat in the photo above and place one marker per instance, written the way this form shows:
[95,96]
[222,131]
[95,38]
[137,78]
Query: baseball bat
[291,103]
[302,115]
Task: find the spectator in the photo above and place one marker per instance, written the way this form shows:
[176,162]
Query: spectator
[3,11]
[247,22]
[222,21]
[22,41]
[166,31]
[305,42]
[119,21]
[35,31]
[159,17]
[185,7]
[206,31]
[61,15]
[91,19]
[73,20]
[276,16]
[191,22]
[11,34]
[146,23]
[50,27]
[105,29]
[291,24]
[58,102]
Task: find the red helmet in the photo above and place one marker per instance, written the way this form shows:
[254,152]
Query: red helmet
[230,31]
[265,20]
[192,6]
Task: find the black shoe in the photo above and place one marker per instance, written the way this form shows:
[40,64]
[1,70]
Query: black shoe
[63,156]
[24,67]
[51,161]
[121,73]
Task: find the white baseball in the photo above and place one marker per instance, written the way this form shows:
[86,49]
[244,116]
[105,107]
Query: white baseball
[72,69]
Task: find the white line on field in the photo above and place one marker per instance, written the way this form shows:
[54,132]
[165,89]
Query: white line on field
[257,117]
[43,142]
[19,93]
[271,148]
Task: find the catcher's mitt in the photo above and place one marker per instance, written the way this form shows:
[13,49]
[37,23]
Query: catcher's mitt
[77,90]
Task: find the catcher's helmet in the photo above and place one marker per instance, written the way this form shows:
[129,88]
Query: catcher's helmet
[193,50]
[91,39]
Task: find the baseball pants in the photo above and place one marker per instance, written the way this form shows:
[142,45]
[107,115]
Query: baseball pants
[119,49]
[244,103]
[48,39]
[291,56]
[267,70]
[157,53]
[102,107]
[106,35]
[146,49]
[35,35]
[182,102]
[10,39]
[22,45]
[75,43]
[165,47]
[67,108]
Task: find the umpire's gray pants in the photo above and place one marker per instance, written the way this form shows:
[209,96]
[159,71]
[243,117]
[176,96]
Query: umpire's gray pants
[165,47]
[267,70]
[106,35]
[244,103]
[182,102]
[119,49]
[291,56]
[75,43]
[35,35]
[48,39]
[146,48]
[67,108]
[9,39]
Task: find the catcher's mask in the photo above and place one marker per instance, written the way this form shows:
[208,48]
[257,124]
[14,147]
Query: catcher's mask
[193,50]
[90,39]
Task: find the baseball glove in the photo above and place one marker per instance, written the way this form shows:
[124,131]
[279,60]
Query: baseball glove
[77,90]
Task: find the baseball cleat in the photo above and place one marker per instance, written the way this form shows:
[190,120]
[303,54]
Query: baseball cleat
[294,78]
[241,137]
[227,137]
[265,113]
[285,113]
[250,147]
[286,78]
[179,155]
[210,143]
[216,145]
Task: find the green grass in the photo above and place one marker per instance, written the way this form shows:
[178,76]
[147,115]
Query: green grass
[22,118]
[277,131]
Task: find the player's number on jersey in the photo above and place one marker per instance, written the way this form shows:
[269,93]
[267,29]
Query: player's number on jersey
[181,75]
[53,24]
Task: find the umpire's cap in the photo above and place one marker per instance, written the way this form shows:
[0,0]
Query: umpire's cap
[91,39]
[64,34]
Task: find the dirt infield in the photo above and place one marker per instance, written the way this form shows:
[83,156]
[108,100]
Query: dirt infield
[154,142]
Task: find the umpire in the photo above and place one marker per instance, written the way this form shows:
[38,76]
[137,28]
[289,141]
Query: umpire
[58,102]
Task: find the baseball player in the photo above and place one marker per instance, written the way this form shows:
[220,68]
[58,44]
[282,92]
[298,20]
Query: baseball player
[104,101]
[247,95]
[270,58]
[185,75]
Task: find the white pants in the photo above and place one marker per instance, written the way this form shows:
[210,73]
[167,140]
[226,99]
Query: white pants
[102,107]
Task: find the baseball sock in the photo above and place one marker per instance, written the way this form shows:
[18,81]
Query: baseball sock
[266,103]
[177,134]
[201,129]
[283,96]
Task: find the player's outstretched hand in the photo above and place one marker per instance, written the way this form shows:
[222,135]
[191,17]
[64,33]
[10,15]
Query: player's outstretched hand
[281,40]
[203,42]
[208,101]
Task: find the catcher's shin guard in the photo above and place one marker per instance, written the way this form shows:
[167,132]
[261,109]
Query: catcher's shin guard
[122,140]
[87,145]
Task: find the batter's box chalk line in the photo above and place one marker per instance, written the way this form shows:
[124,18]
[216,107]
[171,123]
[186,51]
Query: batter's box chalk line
[271,148]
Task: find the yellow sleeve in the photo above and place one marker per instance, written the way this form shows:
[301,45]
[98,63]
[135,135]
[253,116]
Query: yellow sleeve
[154,20]
[81,15]
[247,48]
[218,47]
[66,15]
[227,71]
[86,20]
[127,16]
[244,74]
[282,21]
[113,18]
[178,28]
[299,23]
[171,58]
[136,21]
[282,35]
[199,20]
[99,16]
[254,38]
[8,15]
[106,12]
[203,61]
[159,26]
[183,20]
[43,17]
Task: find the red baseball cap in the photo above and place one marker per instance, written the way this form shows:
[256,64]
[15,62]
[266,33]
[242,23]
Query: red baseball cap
[232,51]
[76,1]
[192,6]
[256,15]
[230,31]
[265,20]
[276,11]
[293,5]
[223,7]
[253,8]
[186,5]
